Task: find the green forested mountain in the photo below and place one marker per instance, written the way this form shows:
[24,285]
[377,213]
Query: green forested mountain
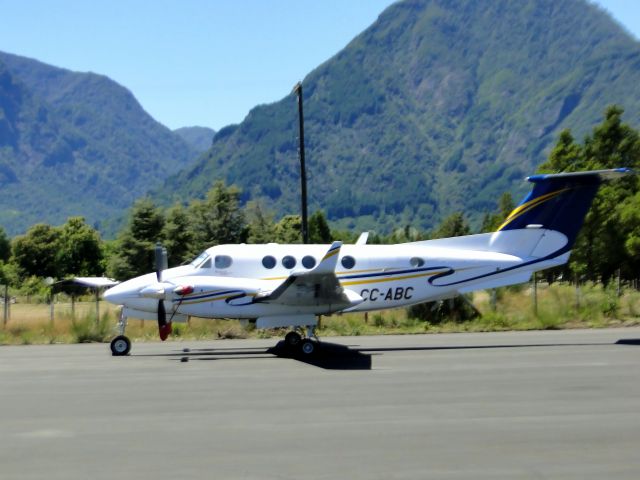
[439,106]
[75,144]
[199,138]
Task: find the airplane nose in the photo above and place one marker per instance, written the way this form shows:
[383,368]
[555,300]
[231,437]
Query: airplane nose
[130,293]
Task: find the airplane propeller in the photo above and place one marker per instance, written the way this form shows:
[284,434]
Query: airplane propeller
[164,327]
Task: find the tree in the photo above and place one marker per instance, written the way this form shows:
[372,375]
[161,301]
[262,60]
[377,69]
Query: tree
[35,253]
[566,156]
[146,221]
[319,231]
[288,229]
[454,225]
[80,249]
[135,245]
[218,219]
[178,235]
[5,246]
[261,225]
[608,237]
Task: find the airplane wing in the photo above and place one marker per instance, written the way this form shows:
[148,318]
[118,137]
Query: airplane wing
[316,287]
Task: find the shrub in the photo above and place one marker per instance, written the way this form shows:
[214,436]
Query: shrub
[457,309]
[87,330]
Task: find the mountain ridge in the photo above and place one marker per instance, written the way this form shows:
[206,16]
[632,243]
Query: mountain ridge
[76,144]
[199,138]
[439,106]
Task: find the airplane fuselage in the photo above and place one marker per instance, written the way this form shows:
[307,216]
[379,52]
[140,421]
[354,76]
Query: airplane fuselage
[226,278]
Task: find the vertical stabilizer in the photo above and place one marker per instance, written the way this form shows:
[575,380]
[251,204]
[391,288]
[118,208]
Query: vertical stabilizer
[559,202]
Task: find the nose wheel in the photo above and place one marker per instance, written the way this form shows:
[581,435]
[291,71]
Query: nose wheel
[120,346]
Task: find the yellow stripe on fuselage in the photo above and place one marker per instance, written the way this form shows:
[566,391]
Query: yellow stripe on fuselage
[392,279]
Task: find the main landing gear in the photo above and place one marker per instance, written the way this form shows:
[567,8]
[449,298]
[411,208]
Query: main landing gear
[121,345]
[306,346]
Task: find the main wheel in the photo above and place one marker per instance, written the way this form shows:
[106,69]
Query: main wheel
[292,339]
[120,346]
[307,347]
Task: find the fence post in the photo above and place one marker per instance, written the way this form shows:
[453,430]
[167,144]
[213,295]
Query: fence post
[494,299]
[97,306]
[51,307]
[619,289]
[534,293]
[6,305]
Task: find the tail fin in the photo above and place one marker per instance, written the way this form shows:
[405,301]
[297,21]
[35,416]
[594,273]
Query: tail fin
[559,201]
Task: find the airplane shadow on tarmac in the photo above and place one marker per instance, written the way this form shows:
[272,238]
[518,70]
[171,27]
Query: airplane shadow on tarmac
[332,356]
[328,355]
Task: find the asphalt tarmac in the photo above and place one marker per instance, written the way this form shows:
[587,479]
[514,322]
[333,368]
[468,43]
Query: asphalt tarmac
[529,405]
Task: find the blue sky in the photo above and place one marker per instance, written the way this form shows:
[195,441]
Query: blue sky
[199,62]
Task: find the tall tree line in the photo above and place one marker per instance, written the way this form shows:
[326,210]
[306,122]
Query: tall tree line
[609,241]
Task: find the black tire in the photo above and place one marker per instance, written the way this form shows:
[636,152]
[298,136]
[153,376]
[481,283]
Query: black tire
[307,347]
[120,346]
[292,339]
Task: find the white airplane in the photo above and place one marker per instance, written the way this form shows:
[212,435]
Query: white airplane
[291,285]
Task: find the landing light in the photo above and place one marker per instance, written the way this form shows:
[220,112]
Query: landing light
[183,290]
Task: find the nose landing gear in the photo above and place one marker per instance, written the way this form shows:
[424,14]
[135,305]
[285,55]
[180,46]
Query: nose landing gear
[121,345]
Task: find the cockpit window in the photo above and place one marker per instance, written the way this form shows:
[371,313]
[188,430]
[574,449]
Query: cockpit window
[200,259]
[223,261]
[206,264]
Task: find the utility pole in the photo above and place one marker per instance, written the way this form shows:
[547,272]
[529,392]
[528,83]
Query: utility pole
[297,89]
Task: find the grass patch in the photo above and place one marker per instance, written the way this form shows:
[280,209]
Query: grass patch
[559,306]
[89,329]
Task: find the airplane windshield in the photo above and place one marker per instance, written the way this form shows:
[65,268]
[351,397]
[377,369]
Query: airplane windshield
[200,259]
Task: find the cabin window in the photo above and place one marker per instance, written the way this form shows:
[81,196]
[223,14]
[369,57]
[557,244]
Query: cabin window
[308,262]
[222,261]
[288,262]
[269,262]
[348,262]
[416,262]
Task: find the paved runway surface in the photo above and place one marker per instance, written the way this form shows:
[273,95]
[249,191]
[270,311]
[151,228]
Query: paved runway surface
[534,405]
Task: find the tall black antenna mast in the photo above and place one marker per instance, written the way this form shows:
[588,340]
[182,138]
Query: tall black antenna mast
[303,174]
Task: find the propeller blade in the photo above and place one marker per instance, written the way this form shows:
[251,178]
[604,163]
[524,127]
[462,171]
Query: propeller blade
[161,260]
[164,327]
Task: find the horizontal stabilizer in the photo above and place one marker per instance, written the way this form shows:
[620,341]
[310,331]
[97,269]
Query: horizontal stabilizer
[559,202]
